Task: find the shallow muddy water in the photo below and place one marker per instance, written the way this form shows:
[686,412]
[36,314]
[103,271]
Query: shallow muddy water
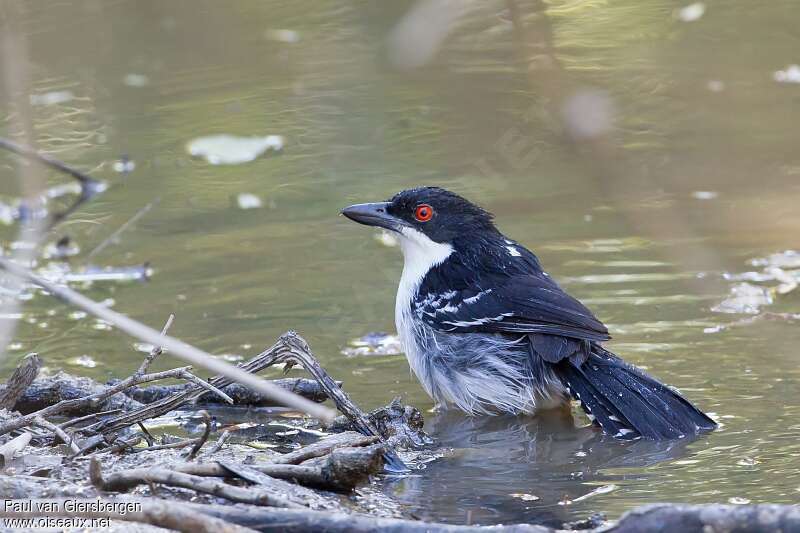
[642,151]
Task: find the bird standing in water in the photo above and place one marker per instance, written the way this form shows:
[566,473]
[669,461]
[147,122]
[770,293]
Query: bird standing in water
[488,331]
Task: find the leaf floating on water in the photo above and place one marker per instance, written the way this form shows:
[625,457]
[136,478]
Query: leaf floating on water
[605,489]
[283,36]
[248,201]
[790,75]
[52,98]
[135,80]
[524,497]
[745,298]
[736,500]
[376,343]
[232,150]
[84,360]
[786,259]
[692,12]
[705,195]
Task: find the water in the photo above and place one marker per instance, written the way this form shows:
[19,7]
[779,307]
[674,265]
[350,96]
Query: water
[694,173]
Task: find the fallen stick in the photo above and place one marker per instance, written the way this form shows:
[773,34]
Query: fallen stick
[305,387]
[128,479]
[20,379]
[204,437]
[299,351]
[263,360]
[347,439]
[343,470]
[68,405]
[38,421]
[176,347]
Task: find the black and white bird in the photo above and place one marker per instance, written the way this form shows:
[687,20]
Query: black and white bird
[488,331]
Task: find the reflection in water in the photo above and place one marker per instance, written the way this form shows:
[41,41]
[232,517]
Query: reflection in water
[491,464]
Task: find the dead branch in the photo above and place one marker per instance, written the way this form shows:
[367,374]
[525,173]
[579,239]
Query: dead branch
[342,470]
[77,403]
[263,360]
[23,376]
[347,439]
[175,346]
[125,480]
[38,421]
[204,437]
[218,445]
[299,351]
[305,387]
[157,350]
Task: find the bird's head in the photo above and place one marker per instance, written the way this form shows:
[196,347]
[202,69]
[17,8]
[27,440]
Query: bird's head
[425,214]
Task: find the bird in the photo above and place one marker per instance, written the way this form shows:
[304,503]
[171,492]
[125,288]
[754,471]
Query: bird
[488,331]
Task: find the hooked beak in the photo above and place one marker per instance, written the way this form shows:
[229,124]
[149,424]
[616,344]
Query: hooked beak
[374,214]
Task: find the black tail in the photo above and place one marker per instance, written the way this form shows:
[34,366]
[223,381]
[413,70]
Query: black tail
[627,403]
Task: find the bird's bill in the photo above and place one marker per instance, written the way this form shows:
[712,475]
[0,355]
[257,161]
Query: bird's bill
[374,214]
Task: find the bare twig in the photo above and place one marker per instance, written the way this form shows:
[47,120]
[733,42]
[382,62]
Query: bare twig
[131,221]
[204,437]
[218,444]
[157,350]
[299,351]
[170,445]
[77,403]
[188,376]
[60,433]
[346,439]
[157,408]
[91,416]
[176,347]
[146,434]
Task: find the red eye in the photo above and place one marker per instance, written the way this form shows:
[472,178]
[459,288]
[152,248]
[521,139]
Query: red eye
[423,213]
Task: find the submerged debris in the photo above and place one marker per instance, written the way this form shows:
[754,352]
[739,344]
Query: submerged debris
[248,201]
[375,343]
[790,75]
[692,12]
[751,293]
[745,298]
[232,150]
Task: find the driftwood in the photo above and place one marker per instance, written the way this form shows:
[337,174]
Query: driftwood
[178,348]
[347,439]
[44,392]
[49,391]
[128,479]
[23,376]
[241,395]
[298,351]
[263,360]
[341,470]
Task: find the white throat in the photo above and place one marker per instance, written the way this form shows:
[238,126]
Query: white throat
[420,254]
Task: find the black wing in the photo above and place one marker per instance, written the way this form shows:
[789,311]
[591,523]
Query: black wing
[515,296]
